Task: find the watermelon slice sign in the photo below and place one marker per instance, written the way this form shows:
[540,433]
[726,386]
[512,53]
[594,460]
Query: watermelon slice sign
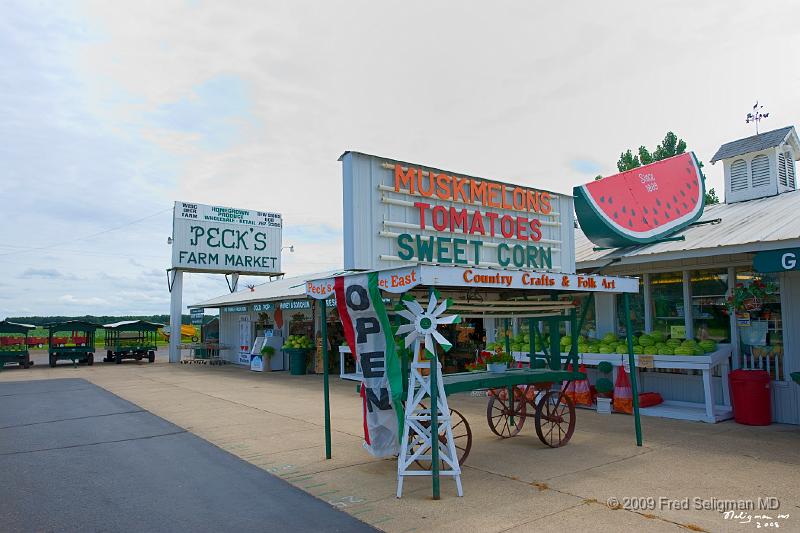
[642,205]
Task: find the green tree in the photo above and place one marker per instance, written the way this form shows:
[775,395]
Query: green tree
[711,197]
[670,146]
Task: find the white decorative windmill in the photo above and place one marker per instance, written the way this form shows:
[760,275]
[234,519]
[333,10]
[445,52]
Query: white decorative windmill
[420,331]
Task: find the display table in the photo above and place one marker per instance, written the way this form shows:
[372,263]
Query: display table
[709,411]
[203,353]
[344,351]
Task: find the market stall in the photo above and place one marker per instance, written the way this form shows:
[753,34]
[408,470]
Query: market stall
[533,296]
[72,340]
[131,339]
[14,343]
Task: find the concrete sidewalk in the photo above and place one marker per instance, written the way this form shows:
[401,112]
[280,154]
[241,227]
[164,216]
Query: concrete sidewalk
[274,421]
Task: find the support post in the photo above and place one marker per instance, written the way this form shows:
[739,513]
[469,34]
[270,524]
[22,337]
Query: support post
[632,363]
[507,336]
[434,373]
[175,315]
[325,378]
[573,328]
[555,343]
[532,337]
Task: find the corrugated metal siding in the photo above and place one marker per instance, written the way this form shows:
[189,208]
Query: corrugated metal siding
[765,220]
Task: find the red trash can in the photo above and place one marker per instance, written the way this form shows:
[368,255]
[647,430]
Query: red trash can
[751,397]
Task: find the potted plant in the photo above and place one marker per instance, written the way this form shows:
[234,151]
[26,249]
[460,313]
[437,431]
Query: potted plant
[498,362]
[266,353]
[297,346]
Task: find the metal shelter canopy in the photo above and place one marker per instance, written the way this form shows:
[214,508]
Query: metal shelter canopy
[14,327]
[134,325]
[73,325]
[514,285]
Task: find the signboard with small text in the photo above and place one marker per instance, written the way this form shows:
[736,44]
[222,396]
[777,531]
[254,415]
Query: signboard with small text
[209,238]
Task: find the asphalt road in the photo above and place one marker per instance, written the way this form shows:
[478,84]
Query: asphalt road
[74,457]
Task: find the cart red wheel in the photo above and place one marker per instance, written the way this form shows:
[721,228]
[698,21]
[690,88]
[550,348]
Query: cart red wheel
[462,438]
[555,418]
[506,416]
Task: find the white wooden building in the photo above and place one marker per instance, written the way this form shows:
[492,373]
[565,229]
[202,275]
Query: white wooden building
[686,282]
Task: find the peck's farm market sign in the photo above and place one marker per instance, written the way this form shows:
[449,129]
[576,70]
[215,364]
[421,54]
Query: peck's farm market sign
[209,238]
[397,213]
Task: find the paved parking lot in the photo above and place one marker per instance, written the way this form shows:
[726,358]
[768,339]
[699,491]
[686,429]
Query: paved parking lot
[74,457]
[274,422]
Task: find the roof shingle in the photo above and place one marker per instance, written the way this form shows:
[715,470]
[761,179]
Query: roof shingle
[762,141]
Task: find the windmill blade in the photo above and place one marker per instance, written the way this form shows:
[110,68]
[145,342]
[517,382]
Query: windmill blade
[408,315]
[405,328]
[413,306]
[449,319]
[441,309]
[432,303]
[410,339]
[443,342]
[429,344]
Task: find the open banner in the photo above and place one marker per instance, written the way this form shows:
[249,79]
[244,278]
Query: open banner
[369,335]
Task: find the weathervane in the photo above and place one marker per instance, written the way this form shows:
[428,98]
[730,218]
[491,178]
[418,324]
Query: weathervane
[756,115]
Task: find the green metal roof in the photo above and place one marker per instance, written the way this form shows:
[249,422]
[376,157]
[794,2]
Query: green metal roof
[13,327]
[72,325]
[134,325]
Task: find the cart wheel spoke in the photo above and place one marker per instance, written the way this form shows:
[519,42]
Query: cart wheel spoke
[555,419]
[499,414]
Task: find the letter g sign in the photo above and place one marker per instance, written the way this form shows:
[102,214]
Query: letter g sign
[789,261]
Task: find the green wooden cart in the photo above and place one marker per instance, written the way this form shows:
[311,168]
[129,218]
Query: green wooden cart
[71,340]
[14,343]
[131,339]
[541,386]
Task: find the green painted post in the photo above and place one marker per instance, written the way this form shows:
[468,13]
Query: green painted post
[555,343]
[573,328]
[434,374]
[632,363]
[325,380]
[532,337]
[506,325]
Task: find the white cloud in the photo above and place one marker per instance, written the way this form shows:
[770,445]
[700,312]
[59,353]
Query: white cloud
[115,109]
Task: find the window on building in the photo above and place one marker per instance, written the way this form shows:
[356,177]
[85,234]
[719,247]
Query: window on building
[790,170]
[636,303]
[759,322]
[782,170]
[710,313]
[759,169]
[666,296]
[738,175]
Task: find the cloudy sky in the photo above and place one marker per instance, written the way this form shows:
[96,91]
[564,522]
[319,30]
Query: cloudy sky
[113,110]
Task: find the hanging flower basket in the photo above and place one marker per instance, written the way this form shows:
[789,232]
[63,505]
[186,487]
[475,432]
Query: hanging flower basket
[753,304]
[750,298]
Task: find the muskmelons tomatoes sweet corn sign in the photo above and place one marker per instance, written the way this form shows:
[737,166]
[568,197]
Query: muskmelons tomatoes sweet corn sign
[210,238]
[397,213]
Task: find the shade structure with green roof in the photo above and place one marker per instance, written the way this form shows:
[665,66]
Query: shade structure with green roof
[14,343]
[72,340]
[131,339]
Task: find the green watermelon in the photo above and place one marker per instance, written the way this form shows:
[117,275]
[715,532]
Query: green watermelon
[642,205]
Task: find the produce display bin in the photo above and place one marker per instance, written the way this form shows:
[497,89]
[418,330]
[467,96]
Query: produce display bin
[131,339]
[14,343]
[72,340]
